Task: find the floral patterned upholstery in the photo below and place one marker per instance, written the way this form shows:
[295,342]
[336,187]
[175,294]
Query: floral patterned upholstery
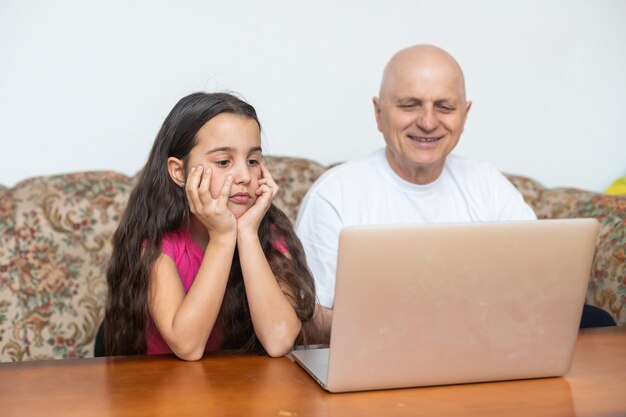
[55,241]
[607,284]
[294,177]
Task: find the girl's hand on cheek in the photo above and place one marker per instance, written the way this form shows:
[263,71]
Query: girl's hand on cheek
[213,213]
[266,192]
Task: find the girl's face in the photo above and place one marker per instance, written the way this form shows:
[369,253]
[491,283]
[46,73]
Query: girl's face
[230,144]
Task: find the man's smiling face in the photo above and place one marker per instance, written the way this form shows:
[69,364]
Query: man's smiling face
[421,113]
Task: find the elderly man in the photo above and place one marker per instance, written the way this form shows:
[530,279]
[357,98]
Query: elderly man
[421,111]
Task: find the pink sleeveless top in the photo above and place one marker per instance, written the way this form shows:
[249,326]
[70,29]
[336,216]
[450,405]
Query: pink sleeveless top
[187,255]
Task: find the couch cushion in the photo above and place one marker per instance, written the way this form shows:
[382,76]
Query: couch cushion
[63,226]
[294,176]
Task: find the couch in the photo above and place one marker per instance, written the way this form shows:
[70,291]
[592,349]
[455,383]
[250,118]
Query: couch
[55,241]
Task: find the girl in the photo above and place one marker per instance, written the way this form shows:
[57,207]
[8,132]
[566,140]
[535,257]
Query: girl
[202,260]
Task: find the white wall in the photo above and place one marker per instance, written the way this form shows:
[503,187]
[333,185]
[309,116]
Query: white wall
[86,84]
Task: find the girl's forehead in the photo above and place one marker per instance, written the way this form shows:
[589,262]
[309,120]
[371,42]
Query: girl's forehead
[229,130]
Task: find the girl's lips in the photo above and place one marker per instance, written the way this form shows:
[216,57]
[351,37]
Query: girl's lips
[241,198]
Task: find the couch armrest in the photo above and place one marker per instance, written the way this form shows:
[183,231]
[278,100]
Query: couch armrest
[9,277]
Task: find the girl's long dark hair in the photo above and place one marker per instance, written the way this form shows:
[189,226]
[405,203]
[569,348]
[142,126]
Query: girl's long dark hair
[158,206]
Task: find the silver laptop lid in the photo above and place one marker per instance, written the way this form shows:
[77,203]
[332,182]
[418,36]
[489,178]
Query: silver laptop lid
[442,304]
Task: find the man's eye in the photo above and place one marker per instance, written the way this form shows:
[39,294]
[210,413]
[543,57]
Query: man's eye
[446,109]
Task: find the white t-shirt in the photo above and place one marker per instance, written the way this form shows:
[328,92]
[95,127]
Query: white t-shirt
[369,192]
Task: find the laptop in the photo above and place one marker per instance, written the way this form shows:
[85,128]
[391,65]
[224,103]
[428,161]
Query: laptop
[425,305]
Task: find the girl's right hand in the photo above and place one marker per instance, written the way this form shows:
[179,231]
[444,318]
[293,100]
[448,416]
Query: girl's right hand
[213,213]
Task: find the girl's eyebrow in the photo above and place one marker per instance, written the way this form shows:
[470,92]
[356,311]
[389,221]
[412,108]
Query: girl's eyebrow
[220,149]
[231,149]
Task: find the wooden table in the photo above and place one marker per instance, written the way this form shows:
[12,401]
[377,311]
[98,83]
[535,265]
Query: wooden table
[222,385]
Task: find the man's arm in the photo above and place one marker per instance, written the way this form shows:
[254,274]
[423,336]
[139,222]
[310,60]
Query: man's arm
[510,202]
[318,227]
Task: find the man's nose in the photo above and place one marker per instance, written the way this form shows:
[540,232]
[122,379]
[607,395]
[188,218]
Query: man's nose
[427,120]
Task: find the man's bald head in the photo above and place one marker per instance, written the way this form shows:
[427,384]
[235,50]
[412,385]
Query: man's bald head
[428,59]
[421,111]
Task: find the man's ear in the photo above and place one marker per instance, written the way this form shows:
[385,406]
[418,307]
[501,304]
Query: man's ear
[468,106]
[176,169]
[376,103]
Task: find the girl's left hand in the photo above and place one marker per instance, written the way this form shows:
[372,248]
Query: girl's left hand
[266,192]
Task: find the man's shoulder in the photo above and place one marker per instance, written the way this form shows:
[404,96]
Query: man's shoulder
[454,160]
[460,166]
[348,172]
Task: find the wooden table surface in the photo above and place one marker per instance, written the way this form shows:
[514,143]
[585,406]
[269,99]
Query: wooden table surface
[223,385]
